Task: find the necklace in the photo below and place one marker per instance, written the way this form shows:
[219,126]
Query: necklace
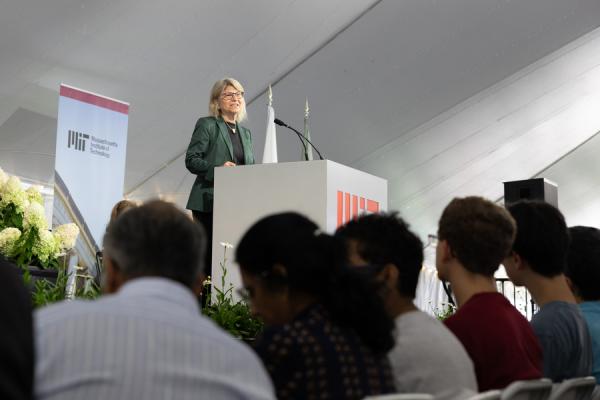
[230,127]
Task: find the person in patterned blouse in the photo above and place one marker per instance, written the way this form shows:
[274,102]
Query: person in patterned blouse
[327,333]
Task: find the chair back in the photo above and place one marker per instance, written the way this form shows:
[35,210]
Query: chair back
[536,389]
[489,395]
[574,389]
[596,394]
[401,396]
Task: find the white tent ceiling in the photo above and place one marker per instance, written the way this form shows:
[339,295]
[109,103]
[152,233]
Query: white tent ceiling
[416,91]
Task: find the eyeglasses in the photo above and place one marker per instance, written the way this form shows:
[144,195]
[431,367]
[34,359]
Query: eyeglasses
[231,95]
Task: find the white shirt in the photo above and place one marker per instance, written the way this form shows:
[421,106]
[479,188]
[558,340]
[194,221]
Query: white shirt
[428,358]
[148,341]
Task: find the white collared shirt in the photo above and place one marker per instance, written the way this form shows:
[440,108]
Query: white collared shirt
[148,341]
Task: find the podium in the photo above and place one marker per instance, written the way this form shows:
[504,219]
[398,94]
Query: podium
[328,193]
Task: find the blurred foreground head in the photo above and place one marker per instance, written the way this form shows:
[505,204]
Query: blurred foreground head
[155,239]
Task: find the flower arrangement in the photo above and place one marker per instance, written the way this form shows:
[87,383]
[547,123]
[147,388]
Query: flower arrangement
[24,235]
[233,316]
[445,311]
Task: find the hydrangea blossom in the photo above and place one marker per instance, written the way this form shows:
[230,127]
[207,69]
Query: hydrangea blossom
[34,195]
[66,235]
[3,178]
[13,193]
[35,217]
[46,247]
[8,238]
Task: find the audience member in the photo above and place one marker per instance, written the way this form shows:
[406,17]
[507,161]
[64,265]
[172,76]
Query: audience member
[538,262]
[120,207]
[16,336]
[474,236]
[583,277]
[427,357]
[146,338]
[327,335]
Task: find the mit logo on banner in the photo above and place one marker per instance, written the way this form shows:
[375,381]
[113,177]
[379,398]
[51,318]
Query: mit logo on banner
[350,206]
[77,140]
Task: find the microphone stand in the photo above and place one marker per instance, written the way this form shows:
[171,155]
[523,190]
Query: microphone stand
[300,135]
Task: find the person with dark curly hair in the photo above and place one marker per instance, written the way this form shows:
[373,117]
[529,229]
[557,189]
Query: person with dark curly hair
[327,335]
[583,277]
[427,357]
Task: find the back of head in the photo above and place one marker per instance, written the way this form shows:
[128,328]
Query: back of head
[120,207]
[386,239]
[479,233]
[291,240]
[542,236]
[583,262]
[156,239]
[314,264]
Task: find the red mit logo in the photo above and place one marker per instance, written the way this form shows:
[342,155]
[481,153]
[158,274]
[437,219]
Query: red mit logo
[350,205]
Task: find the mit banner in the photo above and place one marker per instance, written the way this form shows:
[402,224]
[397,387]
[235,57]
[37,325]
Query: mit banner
[91,143]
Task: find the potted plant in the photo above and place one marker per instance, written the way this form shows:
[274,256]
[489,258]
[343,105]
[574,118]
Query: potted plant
[233,316]
[26,241]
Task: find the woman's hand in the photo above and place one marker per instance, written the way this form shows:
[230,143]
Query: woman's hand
[229,164]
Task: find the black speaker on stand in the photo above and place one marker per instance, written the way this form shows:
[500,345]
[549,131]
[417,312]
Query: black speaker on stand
[531,189]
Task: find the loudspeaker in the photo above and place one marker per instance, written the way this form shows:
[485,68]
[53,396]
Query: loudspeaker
[531,189]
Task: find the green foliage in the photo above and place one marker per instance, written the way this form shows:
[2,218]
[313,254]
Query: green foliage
[45,292]
[23,249]
[234,317]
[11,216]
[445,312]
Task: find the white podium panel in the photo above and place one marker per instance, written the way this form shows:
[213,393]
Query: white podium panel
[326,192]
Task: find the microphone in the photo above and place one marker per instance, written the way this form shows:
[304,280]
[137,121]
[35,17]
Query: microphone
[300,135]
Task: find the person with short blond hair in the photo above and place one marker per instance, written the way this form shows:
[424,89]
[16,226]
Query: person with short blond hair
[218,140]
[120,207]
[474,236]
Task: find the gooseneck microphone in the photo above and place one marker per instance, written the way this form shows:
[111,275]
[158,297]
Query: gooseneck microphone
[300,135]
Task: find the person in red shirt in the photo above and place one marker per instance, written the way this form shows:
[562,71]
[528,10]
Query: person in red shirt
[474,236]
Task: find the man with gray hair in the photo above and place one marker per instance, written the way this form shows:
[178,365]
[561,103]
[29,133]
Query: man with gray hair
[146,338]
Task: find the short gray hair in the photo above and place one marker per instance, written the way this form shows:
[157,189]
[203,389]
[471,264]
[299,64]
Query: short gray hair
[156,239]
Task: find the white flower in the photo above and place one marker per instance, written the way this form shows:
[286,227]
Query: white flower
[12,192]
[34,195]
[3,178]
[66,235]
[226,245]
[8,238]
[35,217]
[46,247]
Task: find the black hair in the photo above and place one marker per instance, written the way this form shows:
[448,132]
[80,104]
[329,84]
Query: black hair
[542,236]
[385,238]
[583,262]
[315,264]
[156,239]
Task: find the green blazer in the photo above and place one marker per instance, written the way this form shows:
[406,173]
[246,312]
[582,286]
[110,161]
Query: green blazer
[211,147]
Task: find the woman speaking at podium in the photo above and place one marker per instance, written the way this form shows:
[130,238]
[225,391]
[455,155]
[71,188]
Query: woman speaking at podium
[218,140]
